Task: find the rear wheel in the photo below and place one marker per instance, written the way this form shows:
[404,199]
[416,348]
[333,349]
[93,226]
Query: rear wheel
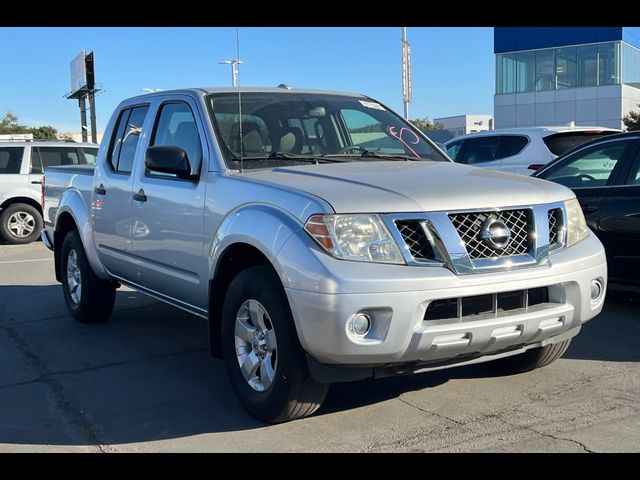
[20,223]
[89,299]
[532,359]
[265,363]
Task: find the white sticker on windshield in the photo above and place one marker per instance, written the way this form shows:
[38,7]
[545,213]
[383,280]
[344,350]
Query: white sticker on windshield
[375,105]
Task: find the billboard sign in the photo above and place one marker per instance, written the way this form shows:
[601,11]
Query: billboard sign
[78,73]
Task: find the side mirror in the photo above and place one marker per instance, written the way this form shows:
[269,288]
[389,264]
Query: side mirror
[169,159]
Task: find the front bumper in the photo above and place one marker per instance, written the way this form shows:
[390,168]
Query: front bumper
[398,296]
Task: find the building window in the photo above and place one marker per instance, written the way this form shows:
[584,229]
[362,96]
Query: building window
[506,73]
[587,65]
[567,67]
[630,65]
[526,71]
[545,69]
[608,64]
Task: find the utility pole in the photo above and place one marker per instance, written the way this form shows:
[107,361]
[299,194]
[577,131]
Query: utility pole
[407,90]
[83,118]
[234,71]
[92,117]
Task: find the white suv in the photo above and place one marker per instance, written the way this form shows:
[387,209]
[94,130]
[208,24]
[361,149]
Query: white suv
[21,167]
[520,150]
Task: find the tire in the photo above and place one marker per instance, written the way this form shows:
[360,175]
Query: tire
[532,359]
[93,301]
[291,393]
[20,223]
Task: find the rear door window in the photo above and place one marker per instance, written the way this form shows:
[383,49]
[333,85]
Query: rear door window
[480,150]
[125,138]
[560,143]
[10,160]
[511,145]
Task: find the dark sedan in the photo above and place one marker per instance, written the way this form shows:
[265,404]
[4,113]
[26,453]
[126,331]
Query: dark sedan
[605,176]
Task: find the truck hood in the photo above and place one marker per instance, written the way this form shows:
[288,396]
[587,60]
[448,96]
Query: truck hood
[394,186]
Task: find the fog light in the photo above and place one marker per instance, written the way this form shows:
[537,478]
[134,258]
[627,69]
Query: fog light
[360,324]
[596,290]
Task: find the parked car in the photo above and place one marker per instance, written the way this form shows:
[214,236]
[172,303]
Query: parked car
[520,150]
[605,176]
[21,168]
[324,238]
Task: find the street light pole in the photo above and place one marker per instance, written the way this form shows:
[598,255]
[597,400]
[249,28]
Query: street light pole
[234,71]
[407,88]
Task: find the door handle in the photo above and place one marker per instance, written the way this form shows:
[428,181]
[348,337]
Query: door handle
[140,196]
[589,208]
[100,190]
[36,182]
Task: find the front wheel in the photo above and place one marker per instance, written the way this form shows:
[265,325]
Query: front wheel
[89,299]
[532,359]
[265,363]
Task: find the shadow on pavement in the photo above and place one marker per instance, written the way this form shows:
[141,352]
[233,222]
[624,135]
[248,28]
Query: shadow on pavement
[614,335]
[147,375]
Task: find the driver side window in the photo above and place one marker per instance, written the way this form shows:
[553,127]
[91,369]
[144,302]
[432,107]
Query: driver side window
[591,167]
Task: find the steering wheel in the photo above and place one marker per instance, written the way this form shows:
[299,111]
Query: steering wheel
[351,148]
[587,176]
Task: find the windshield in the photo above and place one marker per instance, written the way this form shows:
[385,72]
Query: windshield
[292,128]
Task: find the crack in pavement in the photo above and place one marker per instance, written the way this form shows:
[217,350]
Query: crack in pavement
[74,415]
[548,435]
[443,417]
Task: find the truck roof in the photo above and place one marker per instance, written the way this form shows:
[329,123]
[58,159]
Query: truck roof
[47,143]
[207,90]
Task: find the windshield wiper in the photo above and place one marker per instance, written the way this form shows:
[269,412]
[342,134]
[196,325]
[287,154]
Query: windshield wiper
[290,156]
[371,154]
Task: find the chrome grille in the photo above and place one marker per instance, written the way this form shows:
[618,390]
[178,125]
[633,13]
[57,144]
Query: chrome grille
[469,224]
[554,216]
[415,239]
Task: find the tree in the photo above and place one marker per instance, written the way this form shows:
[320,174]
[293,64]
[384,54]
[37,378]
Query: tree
[425,124]
[632,121]
[44,132]
[9,124]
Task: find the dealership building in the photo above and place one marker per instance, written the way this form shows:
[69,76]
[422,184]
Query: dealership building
[555,76]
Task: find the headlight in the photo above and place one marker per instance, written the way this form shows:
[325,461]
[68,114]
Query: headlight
[576,224]
[364,238]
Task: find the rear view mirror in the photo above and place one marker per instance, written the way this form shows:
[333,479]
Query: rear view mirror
[169,159]
[317,112]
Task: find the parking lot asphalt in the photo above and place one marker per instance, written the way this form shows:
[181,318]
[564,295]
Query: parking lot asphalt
[144,381]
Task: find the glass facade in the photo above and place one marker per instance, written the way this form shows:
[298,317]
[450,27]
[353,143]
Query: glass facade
[566,67]
[630,65]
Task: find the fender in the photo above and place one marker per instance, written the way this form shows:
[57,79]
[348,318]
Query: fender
[263,226]
[20,192]
[73,204]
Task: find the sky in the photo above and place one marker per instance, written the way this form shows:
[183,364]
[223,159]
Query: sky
[453,68]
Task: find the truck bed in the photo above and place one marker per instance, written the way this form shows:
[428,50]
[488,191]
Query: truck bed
[60,179]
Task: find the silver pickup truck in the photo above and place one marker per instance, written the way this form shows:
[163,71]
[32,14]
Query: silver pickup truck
[323,238]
